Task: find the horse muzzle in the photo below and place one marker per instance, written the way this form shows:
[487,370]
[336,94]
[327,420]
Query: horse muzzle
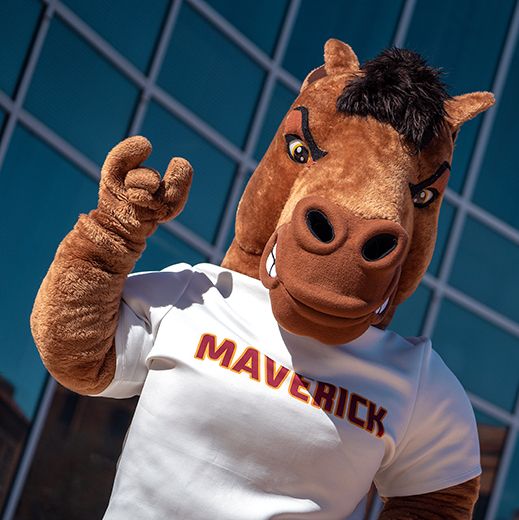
[330,273]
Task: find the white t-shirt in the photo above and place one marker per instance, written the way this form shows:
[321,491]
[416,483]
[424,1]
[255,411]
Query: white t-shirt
[241,420]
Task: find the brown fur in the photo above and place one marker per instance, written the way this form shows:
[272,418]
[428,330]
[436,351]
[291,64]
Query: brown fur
[324,303]
[76,310]
[454,503]
[365,174]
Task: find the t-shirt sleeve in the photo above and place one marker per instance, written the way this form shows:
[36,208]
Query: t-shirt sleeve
[440,448]
[146,299]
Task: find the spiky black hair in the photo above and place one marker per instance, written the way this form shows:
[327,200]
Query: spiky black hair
[399,88]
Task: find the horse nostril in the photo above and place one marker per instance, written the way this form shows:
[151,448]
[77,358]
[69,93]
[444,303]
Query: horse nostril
[379,246]
[319,225]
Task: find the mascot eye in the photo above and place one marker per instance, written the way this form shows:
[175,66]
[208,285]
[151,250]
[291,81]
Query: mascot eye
[297,149]
[425,197]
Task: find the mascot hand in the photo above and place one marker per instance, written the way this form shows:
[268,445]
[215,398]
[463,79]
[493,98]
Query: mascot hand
[136,195]
[75,314]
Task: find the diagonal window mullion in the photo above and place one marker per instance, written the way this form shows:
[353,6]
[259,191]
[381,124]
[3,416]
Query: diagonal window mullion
[27,74]
[257,124]
[480,148]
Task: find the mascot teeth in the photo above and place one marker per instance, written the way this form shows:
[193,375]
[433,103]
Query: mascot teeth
[383,308]
[271,263]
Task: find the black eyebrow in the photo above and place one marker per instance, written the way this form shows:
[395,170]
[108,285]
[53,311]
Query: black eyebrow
[417,188]
[315,151]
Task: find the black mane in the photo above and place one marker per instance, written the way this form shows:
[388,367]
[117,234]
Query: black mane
[399,88]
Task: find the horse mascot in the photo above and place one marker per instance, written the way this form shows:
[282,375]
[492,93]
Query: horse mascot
[269,386]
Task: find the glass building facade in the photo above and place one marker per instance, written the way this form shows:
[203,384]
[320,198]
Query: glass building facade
[210,80]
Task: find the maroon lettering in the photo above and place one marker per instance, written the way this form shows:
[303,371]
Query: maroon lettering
[340,409]
[355,400]
[324,392]
[248,362]
[328,397]
[224,352]
[375,416]
[275,378]
[296,383]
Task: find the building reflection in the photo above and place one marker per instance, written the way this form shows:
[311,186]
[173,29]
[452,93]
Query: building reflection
[491,439]
[74,465]
[14,426]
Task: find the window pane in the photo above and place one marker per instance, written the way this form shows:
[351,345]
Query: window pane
[483,357]
[131,27]
[18,20]
[54,194]
[211,76]
[74,465]
[498,181]
[367,27]
[213,171]
[14,428]
[492,435]
[409,317]
[456,37]
[445,221]
[463,151]
[79,95]
[258,21]
[486,268]
[282,99]
[231,233]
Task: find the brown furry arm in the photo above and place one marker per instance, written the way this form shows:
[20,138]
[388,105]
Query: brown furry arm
[75,314]
[454,503]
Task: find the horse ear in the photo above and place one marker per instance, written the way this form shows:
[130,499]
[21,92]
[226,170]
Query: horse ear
[339,58]
[462,108]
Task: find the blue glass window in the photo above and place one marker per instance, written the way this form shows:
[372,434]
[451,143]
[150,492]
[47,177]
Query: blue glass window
[46,196]
[258,21]
[445,221]
[213,170]
[410,314]
[79,95]
[282,99]
[455,37]
[131,27]
[164,249]
[498,181]
[231,233]
[2,118]
[465,38]
[463,152]
[19,19]
[483,357]
[211,76]
[367,27]
[486,268]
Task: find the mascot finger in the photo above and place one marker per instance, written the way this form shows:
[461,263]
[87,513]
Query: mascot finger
[175,187]
[125,156]
[140,185]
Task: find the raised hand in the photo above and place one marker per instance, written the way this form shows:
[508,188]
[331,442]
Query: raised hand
[136,195]
[75,314]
